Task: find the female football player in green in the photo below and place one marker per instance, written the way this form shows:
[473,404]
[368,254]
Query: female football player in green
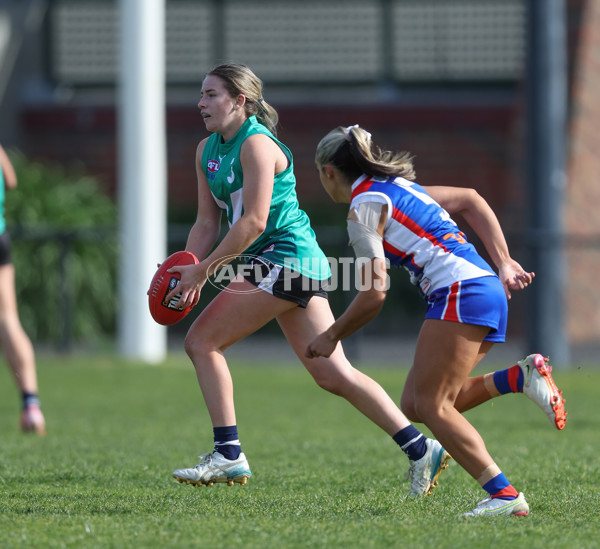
[13,339]
[245,172]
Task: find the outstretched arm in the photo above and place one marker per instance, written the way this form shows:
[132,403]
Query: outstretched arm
[364,308]
[365,229]
[482,219]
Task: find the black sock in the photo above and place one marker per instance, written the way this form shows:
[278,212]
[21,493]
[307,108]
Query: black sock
[30,399]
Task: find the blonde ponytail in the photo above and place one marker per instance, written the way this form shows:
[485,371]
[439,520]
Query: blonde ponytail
[353,152]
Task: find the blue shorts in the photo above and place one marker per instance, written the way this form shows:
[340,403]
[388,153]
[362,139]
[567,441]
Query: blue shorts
[480,301]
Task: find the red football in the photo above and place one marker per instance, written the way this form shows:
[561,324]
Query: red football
[162,283]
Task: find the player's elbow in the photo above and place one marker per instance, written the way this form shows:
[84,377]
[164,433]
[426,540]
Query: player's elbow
[255,225]
[472,199]
[207,229]
[373,297]
[378,298]
[260,225]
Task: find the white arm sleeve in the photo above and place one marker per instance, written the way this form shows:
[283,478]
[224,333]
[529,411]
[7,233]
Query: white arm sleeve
[364,238]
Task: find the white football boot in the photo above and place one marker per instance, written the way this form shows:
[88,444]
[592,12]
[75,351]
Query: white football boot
[490,507]
[539,386]
[215,468]
[424,472]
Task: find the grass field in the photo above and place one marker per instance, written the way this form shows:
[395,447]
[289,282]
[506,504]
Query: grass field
[324,477]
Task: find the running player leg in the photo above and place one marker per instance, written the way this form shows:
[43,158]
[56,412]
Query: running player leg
[445,355]
[235,313]
[19,352]
[336,375]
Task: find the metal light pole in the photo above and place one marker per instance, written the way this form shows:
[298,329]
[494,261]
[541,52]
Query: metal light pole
[547,116]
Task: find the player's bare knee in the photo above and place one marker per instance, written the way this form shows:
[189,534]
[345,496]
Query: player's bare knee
[332,383]
[427,407]
[196,346]
[328,384]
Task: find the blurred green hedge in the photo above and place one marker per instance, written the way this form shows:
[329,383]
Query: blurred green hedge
[63,229]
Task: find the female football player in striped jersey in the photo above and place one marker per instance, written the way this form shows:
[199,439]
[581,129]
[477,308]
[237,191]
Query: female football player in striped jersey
[393,219]
[245,172]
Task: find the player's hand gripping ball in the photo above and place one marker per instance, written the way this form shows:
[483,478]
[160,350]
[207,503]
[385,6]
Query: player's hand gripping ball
[163,282]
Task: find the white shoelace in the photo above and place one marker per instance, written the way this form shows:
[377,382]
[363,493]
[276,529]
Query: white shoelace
[205,459]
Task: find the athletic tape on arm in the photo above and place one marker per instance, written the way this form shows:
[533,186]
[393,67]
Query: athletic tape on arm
[364,238]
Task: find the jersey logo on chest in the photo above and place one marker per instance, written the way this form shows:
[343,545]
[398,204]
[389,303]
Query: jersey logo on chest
[231,176]
[213,166]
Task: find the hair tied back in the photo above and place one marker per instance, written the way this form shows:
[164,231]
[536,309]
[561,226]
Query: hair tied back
[347,132]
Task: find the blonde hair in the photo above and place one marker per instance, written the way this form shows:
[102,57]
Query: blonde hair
[239,79]
[352,151]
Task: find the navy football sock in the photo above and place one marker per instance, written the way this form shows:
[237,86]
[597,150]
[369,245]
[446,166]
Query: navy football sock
[226,442]
[412,442]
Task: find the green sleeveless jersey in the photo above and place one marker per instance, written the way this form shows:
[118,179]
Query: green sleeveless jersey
[288,238]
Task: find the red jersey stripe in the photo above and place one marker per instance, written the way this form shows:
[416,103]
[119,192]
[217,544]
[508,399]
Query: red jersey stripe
[399,253]
[362,187]
[388,247]
[403,219]
[451,312]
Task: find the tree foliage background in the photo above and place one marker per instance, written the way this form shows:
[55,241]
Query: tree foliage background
[63,229]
